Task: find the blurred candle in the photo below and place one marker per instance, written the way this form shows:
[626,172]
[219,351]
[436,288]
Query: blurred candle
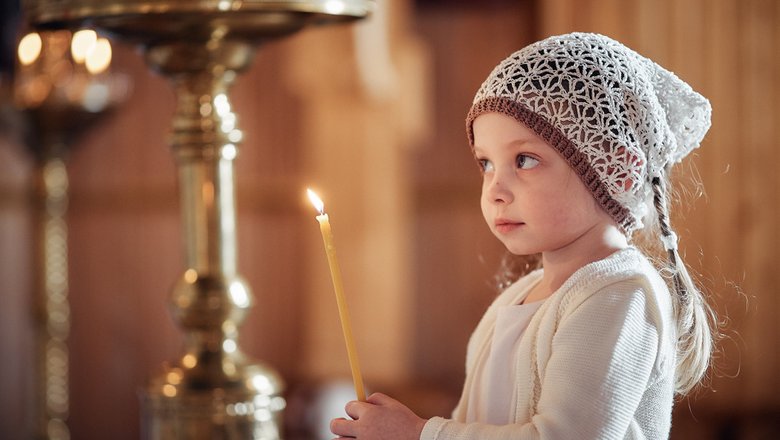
[335,274]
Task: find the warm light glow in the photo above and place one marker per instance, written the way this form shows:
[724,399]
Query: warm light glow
[191,275]
[235,136]
[99,57]
[189,360]
[229,152]
[224,5]
[229,346]
[316,201]
[240,408]
[239,295]
[82,44]
[30,48]
[262,415]
[169,390]
[228,122]
[334,6]
[174,377]
[262,384]
[222,104]
[205,109]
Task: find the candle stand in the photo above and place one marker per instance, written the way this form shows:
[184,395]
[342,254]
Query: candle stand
[60,98]
[213,391]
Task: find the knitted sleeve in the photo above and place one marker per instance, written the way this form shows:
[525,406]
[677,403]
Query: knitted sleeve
[599,366]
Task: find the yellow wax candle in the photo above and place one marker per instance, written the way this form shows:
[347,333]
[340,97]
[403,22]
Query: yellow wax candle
[335,274]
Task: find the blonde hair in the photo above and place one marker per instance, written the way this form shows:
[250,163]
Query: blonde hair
[695,320]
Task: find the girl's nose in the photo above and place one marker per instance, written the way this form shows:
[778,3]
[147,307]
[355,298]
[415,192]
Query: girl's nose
[497,191]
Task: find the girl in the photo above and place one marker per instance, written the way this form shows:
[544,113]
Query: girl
[575,136]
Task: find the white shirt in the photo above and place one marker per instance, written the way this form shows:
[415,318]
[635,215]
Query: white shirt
[497,370]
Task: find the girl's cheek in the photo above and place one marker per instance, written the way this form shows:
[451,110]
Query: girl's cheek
[485,207]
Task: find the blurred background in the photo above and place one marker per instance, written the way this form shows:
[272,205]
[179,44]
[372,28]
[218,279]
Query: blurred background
[371,116]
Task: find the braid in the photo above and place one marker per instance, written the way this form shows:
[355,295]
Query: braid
[668,237]
[694,318]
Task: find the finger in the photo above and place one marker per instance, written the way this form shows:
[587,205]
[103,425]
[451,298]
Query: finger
[355,409]
[342,427]
[380,399]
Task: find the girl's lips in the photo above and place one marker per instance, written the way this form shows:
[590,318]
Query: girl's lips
[505,226]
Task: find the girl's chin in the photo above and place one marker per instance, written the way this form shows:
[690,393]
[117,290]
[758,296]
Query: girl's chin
[519,249]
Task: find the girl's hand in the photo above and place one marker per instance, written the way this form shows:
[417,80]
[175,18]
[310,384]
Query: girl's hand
[378,418]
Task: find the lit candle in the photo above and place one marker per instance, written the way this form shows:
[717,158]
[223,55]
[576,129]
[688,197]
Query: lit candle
[335,274]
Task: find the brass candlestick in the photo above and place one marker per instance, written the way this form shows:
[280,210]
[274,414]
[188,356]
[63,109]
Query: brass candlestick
[62,87]
[213,391]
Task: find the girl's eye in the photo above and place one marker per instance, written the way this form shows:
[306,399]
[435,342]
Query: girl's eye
[485,165]
[525,162]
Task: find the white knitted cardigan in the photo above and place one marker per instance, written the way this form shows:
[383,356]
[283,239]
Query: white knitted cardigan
[596,361]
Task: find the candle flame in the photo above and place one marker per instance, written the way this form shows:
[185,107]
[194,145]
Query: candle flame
[316,201]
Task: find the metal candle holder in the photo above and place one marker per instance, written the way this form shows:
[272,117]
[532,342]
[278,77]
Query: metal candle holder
[62,94]
[213,391]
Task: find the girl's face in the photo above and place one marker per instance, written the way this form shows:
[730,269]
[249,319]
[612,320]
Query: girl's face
[532,200]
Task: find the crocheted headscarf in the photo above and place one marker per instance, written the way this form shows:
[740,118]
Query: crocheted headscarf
[618,118]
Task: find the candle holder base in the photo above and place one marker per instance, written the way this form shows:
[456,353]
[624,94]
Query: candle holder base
[213,391]
[211,415]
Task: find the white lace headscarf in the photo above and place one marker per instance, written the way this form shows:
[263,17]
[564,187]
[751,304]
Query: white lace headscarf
[617,117]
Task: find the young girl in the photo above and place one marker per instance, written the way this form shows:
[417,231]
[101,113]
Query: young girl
[575,136]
